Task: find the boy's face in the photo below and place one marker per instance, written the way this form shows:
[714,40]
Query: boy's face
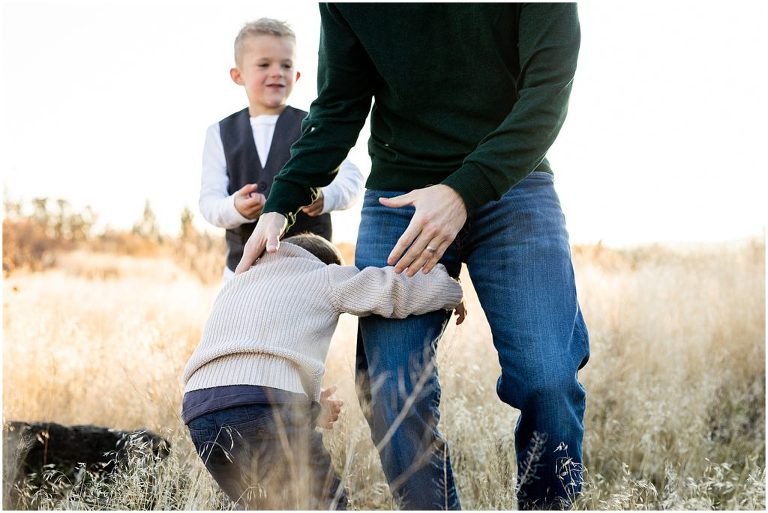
[265,69]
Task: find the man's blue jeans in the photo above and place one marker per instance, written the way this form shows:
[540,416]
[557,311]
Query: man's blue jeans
[518,256]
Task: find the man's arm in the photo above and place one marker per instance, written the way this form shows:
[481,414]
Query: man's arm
[345,189]
[381,291]
[341,193]
[345,81]
[548,47]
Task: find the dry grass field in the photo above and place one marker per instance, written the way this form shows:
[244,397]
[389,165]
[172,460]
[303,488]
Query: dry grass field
[676,381]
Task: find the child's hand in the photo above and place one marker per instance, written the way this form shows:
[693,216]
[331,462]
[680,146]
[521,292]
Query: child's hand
[249,202]
[331,408]
[315,208]
[460,313]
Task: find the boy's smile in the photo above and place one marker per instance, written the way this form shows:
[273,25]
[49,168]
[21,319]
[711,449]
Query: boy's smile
[266,69]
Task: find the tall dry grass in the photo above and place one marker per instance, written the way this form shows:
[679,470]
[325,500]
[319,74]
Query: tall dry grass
[676,381]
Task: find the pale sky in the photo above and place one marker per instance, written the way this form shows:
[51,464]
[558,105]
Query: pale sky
[106,103]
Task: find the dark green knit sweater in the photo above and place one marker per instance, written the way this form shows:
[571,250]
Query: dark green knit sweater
[468,95]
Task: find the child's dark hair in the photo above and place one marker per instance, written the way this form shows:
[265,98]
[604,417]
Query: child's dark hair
[318,246]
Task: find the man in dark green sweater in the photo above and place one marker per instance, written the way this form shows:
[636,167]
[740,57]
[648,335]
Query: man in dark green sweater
[468,99]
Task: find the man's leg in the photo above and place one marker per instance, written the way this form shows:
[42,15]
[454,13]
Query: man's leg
[520,264]
[397,373]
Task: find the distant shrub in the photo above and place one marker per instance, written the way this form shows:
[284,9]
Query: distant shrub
[35,235]
[31,240]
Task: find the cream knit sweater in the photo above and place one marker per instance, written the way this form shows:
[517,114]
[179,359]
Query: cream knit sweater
[272,325]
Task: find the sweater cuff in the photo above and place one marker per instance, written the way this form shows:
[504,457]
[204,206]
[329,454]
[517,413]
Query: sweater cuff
[285,198]
[472,185]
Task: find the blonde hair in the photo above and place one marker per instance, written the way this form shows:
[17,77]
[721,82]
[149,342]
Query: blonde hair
[262,27]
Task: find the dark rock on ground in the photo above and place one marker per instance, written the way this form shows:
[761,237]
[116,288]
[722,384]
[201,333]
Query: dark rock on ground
[34,447]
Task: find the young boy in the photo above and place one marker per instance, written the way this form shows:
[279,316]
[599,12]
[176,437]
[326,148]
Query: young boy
[244,151]
[250,386]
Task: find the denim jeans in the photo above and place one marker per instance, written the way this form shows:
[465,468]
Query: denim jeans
[268,457]
[518,257]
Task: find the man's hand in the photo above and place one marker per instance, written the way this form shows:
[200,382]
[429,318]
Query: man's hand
[266,235]
[440,214]
[331,408]
[249,202]
[315,208]
[460,313]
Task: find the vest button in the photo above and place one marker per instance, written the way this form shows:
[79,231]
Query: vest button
[262,186]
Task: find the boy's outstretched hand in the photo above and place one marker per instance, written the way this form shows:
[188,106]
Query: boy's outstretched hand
[460,313]
[331,408]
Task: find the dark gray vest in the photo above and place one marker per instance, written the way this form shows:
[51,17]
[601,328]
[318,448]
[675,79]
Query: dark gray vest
[244,167]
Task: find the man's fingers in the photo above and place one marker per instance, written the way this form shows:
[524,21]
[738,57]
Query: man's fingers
[397,201]
[435,255]
[273,243]
[439,216]
[420,252]
[250,253]
[266,235]
[427,247]
[408,236]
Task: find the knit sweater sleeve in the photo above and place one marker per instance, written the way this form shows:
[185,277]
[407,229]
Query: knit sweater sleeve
[345,79]
[548,46]
[381,291]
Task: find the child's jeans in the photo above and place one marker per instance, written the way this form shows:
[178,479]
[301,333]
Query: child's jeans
[268,457]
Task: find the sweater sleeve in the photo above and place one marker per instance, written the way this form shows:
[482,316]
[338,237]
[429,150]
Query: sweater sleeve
[381,291]
[548,46]
[345,79]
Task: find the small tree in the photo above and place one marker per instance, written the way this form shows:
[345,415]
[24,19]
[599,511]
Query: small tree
[147,226]
[40,214]
[187,228]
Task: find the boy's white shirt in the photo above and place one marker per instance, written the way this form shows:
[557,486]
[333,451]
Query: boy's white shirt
[218,206]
